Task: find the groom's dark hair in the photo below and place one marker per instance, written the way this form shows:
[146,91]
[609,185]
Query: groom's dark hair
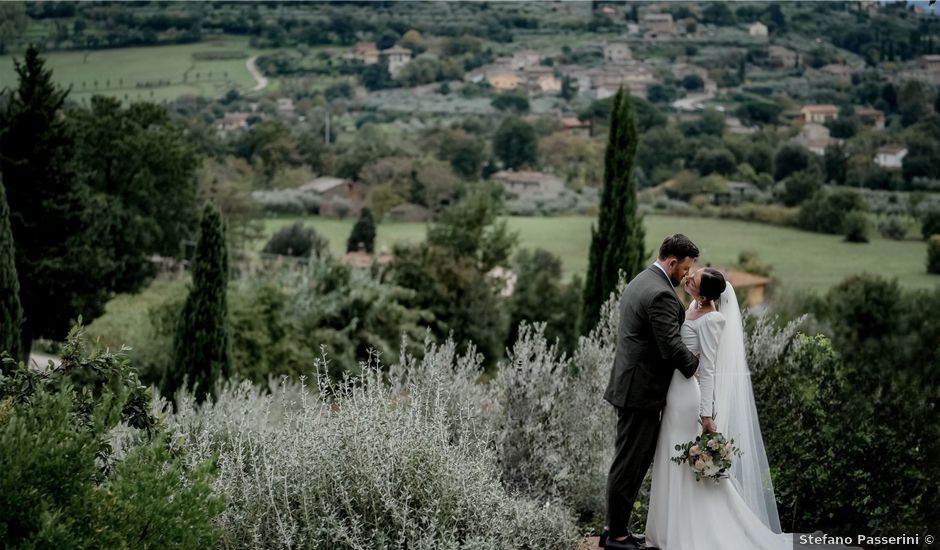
[679,246]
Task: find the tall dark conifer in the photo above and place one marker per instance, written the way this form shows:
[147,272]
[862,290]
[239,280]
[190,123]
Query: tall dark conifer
[618,241]
[363,232]
[202,345]
[11,313]
[57,226]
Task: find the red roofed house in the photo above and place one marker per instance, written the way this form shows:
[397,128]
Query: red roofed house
[930,63]
[329,189]
[234,121]
[819,113]
[366,52]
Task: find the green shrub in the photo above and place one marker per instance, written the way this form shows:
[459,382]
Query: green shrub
[145,322]
[770,214]
[541,296]
[511,102]
[827,210]
[856,227]
[800,186]
[893,227]
[279,319]
[811,387]
[930,224]
[298,241]
[933,254]
[84,463]
[750,262]
[363,233]
[266,340]
[789,159]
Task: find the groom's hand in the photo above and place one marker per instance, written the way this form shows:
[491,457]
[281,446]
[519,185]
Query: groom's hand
[708,425]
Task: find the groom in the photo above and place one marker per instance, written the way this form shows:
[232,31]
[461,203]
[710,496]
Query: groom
[649,348]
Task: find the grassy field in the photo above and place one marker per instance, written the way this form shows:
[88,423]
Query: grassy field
[109,67]
[800,260]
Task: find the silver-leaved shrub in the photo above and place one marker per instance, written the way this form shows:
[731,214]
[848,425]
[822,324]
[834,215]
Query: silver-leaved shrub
[362,464]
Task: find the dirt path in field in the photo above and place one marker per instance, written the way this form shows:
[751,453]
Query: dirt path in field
[256,74]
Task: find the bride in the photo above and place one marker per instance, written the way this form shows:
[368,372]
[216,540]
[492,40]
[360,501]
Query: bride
[739,512]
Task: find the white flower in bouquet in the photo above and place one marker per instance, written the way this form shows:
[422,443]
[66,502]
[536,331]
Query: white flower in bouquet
[727,450]
[709,456]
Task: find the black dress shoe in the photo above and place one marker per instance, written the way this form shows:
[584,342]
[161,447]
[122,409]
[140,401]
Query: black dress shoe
[625,544]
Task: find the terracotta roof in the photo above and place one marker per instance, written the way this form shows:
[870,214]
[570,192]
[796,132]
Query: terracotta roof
[574,122]
[866,111]
[323,184]
[824,108]
[743,279]
[365,47]
[891,149]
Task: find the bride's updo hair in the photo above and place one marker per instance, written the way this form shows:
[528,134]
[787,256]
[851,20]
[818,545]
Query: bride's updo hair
[712,285]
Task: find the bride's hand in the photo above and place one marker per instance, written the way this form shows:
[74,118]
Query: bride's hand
[708,425]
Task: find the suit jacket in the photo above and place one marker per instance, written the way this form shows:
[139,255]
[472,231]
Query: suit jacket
[649,346]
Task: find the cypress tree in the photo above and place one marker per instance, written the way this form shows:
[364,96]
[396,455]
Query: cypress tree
[618,241]
[11,313]
[363,232]
[62,258]
[202,345]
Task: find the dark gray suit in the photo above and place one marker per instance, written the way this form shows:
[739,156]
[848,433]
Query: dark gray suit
[649,349]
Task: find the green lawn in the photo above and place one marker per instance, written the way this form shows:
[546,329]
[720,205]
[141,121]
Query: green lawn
[134,65]
[800,260]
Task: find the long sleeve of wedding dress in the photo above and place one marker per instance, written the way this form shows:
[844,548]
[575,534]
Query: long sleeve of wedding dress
[712,327]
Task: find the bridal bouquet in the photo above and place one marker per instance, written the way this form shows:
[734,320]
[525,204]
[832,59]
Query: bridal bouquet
[709,456]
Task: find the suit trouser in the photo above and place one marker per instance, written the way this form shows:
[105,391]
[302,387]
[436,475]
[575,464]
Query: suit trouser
[637,431]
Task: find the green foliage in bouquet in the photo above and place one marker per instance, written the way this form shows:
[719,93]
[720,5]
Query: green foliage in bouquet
[709,455]
[85,464]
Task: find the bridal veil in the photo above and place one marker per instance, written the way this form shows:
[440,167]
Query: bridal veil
[736,416]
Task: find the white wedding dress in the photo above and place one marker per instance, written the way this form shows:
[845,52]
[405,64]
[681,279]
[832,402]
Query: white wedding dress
[685,514]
